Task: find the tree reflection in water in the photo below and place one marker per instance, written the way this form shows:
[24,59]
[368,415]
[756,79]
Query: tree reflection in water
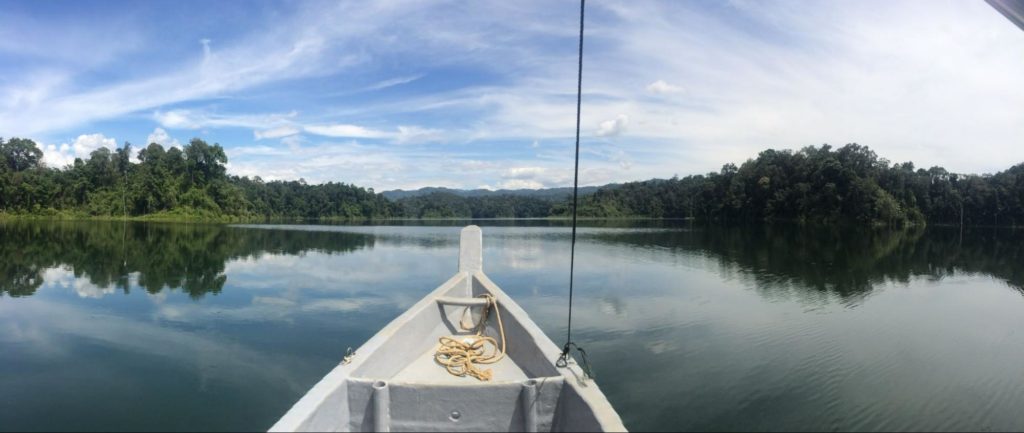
[784,260]
[186,257]
[781,260]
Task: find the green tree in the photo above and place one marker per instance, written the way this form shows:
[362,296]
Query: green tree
[20,154]
[204,162]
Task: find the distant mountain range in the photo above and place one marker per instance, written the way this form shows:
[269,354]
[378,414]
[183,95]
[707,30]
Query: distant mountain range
[545,193]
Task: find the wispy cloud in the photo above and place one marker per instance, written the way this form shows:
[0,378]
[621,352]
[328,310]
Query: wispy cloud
[669,87]
[189,119]
[278,132]
[393,82]
[661,87]
[346,131]
[403,134]
[295,48]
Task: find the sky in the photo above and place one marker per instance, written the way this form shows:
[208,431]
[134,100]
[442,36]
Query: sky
[407,94]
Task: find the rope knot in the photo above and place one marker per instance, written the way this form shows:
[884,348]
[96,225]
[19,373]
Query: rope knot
[563,359]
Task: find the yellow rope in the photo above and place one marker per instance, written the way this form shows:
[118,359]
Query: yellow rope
[460,355]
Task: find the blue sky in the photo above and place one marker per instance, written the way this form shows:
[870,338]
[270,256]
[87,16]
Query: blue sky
[405,94]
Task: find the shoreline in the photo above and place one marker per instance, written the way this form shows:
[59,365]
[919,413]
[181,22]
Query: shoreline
[230,219]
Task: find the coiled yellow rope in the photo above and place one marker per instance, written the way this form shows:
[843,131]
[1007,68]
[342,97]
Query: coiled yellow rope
[461,355]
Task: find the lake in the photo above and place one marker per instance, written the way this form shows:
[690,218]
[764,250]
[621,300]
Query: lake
[144,326]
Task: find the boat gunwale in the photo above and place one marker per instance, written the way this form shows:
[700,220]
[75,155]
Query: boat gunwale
[307,407]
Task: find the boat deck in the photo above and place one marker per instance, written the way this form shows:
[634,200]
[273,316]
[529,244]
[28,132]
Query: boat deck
[425,370]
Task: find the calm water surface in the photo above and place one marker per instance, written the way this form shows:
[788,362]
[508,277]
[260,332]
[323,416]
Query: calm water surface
[193,327]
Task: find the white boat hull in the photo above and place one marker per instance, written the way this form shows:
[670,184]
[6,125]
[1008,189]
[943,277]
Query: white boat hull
[392,383]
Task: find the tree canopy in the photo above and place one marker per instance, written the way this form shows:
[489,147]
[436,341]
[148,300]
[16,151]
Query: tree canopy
[822,184]
[191,181]
[815,184]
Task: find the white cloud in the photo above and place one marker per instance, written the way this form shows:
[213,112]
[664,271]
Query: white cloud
[415,134]
[301,44]
[346,131]
[393,82]
[384,166]
[661,87]
[206,48]
[57,155]
[87,143]
[65,154]
[613,127]
[179,119]
[403,135]
[834,73]
[160,136]
[318,163]
[189,119]
[278,132]
[533,177]
[859,81]
[293,142]
[524,172]
[905,78]
[521,184]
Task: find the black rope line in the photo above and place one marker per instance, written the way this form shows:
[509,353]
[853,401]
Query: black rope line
[569,344]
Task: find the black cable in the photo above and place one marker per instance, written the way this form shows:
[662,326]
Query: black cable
[575,196]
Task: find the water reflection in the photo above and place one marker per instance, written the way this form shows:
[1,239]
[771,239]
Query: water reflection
[698,328]
[785,261]
[186,257]
[779,260]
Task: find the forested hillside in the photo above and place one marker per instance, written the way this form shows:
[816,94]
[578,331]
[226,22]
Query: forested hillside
[190,182]
[815,184]
[825,185]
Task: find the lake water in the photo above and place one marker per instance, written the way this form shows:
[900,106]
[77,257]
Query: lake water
[106,326]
